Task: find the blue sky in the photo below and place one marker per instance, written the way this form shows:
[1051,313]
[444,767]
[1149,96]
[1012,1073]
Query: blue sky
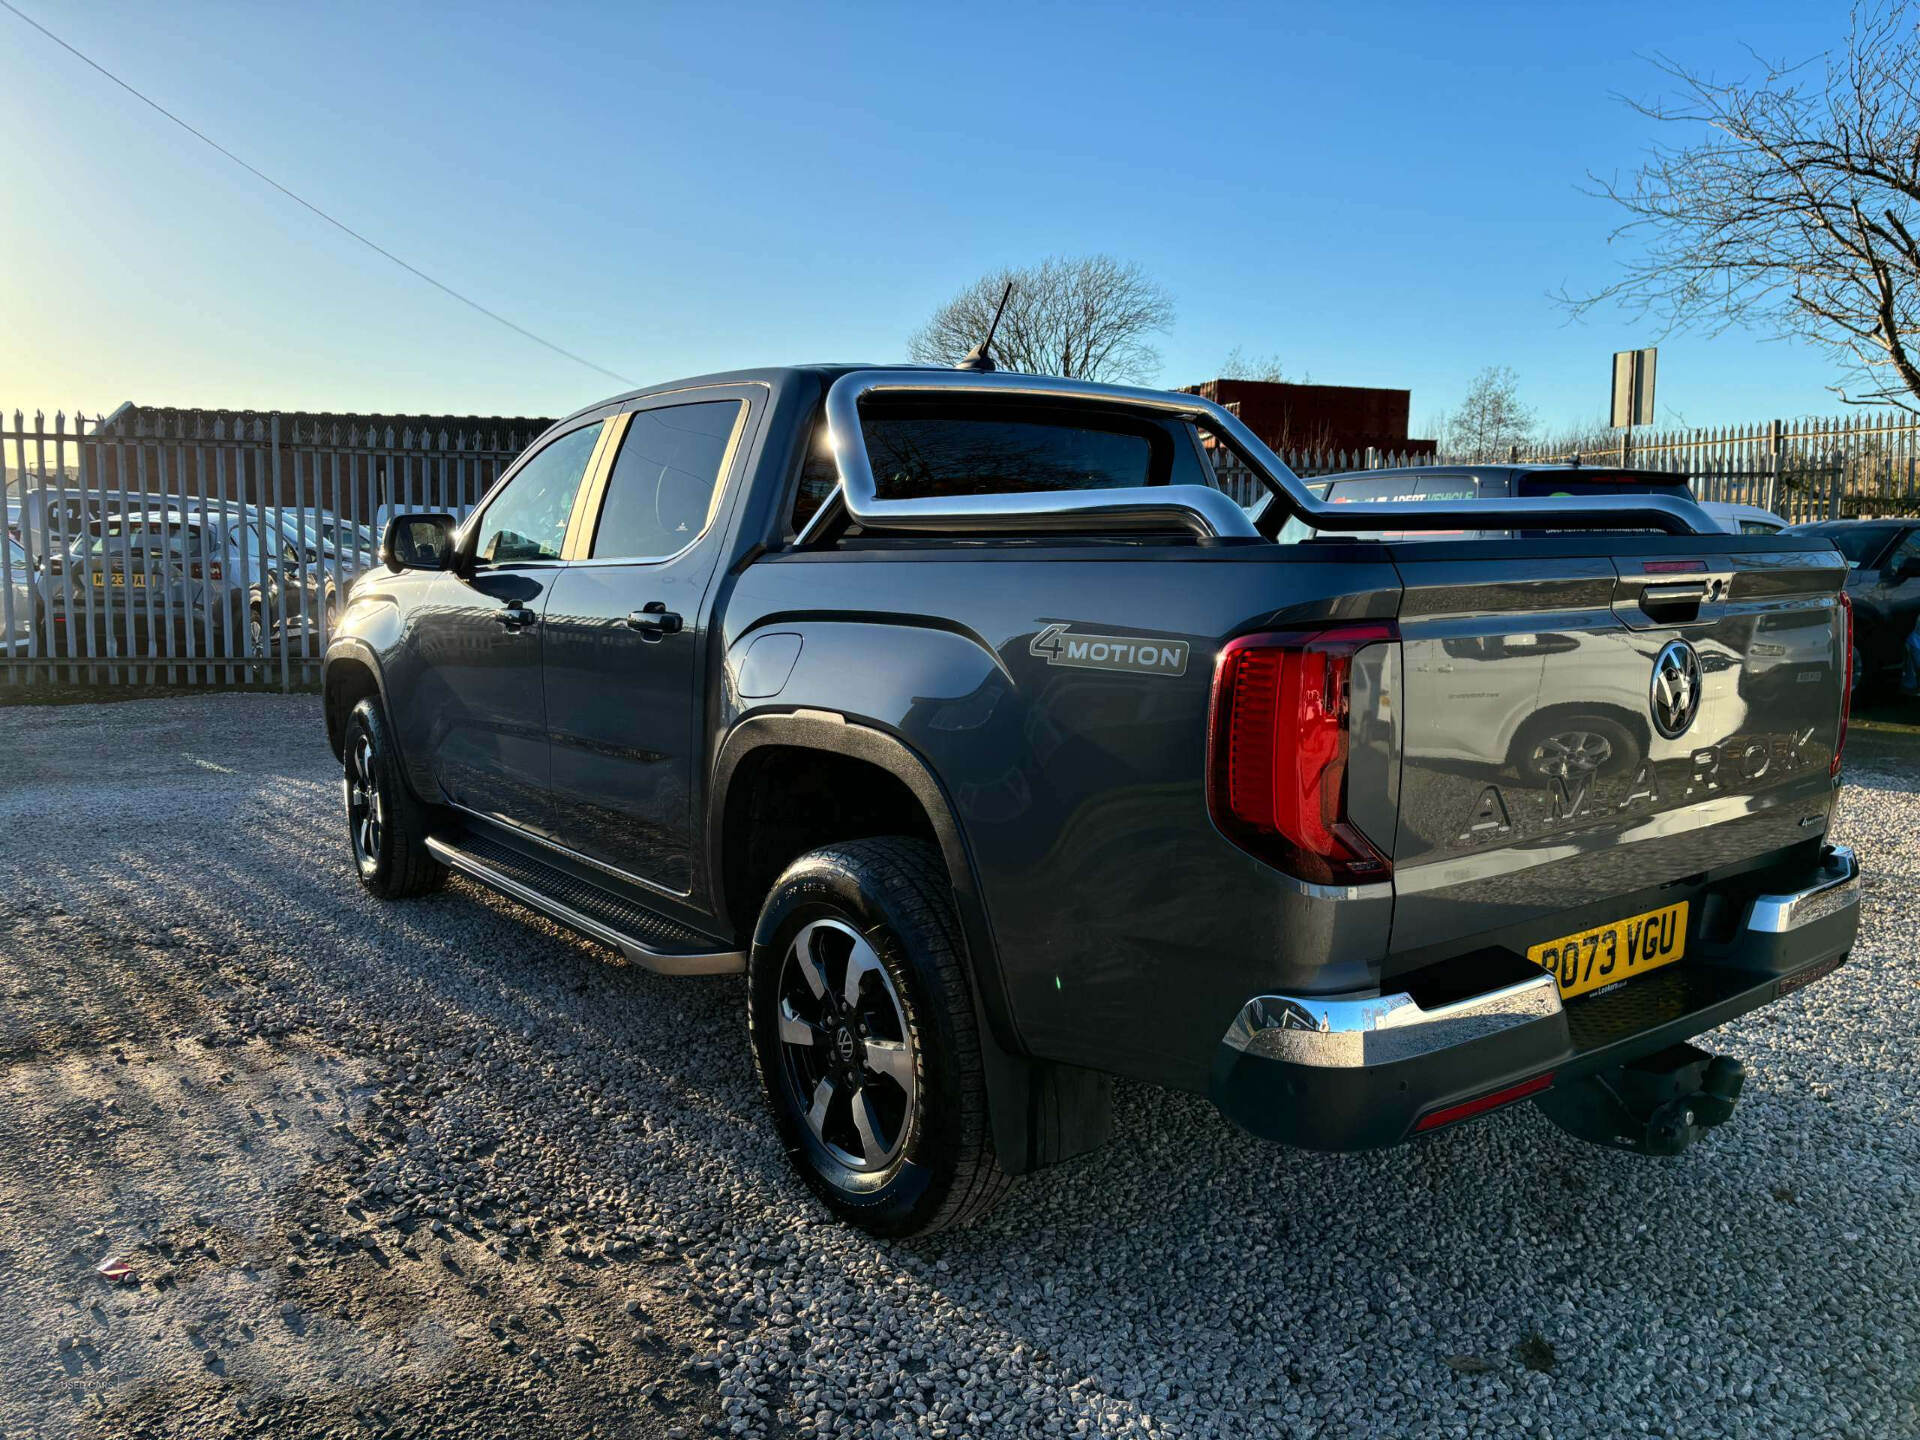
[1379,194]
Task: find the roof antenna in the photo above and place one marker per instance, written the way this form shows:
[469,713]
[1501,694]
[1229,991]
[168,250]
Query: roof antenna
[980,358]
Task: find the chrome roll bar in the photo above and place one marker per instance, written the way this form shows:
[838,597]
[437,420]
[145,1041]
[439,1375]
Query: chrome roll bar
[1194,507]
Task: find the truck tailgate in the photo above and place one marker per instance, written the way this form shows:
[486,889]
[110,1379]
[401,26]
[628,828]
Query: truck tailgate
[1577,727]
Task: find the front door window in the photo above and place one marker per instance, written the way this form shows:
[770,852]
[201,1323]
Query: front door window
[528,519]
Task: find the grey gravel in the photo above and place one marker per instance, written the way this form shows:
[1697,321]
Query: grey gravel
[442,1169]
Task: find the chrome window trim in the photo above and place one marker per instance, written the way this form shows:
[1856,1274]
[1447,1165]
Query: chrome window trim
[1196,507]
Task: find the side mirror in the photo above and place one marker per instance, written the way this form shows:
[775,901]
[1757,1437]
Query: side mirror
[418,542]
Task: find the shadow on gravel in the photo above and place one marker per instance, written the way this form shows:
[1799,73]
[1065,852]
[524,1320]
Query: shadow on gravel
[1184,1280]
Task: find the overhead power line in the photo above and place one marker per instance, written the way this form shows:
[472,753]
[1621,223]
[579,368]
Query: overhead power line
[339,225]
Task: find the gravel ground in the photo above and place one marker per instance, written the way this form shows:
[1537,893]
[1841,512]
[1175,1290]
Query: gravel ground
[441,1169]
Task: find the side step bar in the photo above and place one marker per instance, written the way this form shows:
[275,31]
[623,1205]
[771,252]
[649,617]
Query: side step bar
[646,938]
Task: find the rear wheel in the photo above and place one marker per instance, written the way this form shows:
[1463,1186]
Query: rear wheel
[864,1036]
[386,826]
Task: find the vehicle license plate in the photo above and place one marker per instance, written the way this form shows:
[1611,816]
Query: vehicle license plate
[1618,951]
[120,578]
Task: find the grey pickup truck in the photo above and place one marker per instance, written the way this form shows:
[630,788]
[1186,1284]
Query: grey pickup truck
[1005,753]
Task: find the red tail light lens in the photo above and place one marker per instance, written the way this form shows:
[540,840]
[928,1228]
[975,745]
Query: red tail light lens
[1277,762]
[1846,687]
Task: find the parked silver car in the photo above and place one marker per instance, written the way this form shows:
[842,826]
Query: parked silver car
[171,583]
[16,606]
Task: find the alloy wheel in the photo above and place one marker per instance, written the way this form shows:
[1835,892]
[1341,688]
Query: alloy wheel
[366,813]
[847,1055]
[1572,752]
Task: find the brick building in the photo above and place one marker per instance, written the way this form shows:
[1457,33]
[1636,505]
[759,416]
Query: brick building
[1319,417]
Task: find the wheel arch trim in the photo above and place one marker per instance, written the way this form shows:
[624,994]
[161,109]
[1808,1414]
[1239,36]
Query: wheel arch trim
[831,732]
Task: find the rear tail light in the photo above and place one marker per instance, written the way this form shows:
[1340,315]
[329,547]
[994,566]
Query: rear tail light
[1467,1109]
[212,568]
[1277,752]
[1846,686]
[53,564]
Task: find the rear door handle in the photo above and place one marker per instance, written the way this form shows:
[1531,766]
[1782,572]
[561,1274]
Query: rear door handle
[655,620]
[516,616]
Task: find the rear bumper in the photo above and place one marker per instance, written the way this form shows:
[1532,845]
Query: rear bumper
[1355,1072]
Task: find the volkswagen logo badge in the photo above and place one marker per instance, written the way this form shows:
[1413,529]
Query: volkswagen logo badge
[1676,688]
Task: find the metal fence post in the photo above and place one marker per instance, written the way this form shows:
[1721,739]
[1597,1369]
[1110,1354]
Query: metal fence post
[1774,453]
[279,608]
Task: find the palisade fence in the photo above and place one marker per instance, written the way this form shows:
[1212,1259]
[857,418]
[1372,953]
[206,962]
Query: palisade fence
[1853,467]
[196,548]
[181,548]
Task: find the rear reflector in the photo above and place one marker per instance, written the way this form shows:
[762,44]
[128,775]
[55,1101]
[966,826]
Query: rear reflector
[1846,688]
[1277,752]
[1467,1109]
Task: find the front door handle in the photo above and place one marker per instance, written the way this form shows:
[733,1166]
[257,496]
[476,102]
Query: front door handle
[654,621]
[516,616]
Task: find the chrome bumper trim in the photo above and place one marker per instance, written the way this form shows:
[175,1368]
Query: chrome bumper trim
[1347,1031]
[1837,888]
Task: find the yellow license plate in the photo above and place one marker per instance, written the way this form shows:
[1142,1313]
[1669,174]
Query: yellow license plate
[1614,952]
[119,579]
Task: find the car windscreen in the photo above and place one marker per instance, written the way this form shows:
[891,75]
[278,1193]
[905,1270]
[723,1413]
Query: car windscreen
[1858,544]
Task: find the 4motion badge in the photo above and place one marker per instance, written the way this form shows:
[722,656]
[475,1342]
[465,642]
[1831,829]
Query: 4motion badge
[1131,654]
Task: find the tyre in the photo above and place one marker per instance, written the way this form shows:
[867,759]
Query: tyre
[386,825]
[864,1036]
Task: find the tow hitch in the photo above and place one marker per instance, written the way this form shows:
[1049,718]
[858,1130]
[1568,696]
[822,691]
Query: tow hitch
[1655,1106]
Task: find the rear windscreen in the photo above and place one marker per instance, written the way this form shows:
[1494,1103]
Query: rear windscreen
[950,455]
[1857,543]
[153,539]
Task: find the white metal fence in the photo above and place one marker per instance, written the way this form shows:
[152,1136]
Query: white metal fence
[1853,467]
[192,549]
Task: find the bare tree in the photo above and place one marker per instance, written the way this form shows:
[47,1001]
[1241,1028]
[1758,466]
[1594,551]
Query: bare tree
[1241,366]
[1491,421]
[1087,317]
[1792,207]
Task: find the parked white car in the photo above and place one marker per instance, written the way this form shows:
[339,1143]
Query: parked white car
[1742,519]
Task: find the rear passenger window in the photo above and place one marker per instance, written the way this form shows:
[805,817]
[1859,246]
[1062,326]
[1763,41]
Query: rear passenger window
[665,480]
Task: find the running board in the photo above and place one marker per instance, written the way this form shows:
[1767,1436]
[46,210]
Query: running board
[646,938]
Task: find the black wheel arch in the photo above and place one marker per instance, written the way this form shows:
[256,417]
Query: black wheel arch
[1041,1112]
[351,673]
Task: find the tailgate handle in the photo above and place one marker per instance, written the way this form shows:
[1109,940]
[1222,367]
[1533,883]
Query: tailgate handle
[1683,595]
[1691,592]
